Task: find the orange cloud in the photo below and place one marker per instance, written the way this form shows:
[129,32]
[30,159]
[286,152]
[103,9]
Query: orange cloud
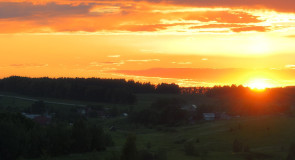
[251,28]
[282,6]
[26,10]
[285,6]
[234,27]
[114,16]
[223,17]
[117,16]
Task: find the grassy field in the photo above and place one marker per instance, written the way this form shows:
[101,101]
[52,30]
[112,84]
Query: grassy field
[268,137]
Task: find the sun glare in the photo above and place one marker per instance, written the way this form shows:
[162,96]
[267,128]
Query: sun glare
[258,84]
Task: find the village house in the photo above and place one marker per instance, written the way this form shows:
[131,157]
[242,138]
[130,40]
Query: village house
[91,112]
[38,118]
[209,116]
[190,108]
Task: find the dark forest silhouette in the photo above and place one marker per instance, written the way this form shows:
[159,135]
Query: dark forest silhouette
[86,89]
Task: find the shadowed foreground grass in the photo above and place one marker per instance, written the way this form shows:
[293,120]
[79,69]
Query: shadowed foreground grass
[268,137]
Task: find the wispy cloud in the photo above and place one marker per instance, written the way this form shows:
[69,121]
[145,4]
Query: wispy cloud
[143,60]
[95,64]
[182,63]
[114,56]
[101,64]
[291,66]
[28,65]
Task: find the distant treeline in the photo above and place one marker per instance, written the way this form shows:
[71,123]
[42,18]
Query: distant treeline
[88,89]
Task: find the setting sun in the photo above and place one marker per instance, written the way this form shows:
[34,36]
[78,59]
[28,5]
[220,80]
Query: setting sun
[259,84]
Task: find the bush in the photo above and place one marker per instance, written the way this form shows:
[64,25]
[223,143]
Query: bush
[237,146]
[291,154]
[113,156]
[145,155]
[190,149]
[162,111]
[129,151]
[161,154]
[246,148]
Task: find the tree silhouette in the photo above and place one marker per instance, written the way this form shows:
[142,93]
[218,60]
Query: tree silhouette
[129,151]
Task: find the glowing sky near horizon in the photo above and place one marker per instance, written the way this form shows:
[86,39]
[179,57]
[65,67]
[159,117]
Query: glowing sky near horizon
[191,43]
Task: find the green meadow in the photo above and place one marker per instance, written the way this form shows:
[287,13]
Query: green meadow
[268,138]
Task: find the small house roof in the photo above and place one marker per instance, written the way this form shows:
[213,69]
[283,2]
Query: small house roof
[209,114]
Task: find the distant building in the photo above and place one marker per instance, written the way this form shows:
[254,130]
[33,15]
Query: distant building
[41,119]
[190,108]
[30,116]
[222,116]
[209,116]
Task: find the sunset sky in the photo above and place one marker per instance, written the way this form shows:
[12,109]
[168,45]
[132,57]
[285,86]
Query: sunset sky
[188,42]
